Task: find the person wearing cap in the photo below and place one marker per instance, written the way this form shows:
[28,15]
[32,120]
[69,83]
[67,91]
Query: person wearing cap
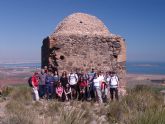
[35,83]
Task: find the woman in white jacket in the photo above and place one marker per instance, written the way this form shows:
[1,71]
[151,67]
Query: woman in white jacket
[99,78]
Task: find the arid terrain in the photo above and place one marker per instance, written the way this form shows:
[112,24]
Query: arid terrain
[141,102]
[12,76]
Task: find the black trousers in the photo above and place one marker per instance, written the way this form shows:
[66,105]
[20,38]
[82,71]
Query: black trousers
[75,91]
[112,91]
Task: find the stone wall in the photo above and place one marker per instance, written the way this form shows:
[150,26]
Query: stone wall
[66,51]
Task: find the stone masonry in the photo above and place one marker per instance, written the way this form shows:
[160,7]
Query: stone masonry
[82,41]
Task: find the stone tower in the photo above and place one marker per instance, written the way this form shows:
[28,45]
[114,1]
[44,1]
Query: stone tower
[82,41]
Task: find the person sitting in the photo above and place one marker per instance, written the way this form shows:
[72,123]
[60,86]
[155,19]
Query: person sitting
[83,88]
[68,92]
[59,91]
[104,91]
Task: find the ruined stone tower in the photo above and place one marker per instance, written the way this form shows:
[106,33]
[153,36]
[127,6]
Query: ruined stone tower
[82,41]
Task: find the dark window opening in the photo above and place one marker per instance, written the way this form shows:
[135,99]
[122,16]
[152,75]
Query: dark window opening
[62,57]
[115,56]
[81,22]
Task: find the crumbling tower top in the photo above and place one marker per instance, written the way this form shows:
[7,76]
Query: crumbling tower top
[81,24]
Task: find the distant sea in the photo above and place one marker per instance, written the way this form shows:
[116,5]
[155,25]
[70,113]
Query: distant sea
[21,65]
[146,67]
[132,67]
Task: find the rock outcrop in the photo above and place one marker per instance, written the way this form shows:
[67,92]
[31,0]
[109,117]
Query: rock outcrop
[82,41]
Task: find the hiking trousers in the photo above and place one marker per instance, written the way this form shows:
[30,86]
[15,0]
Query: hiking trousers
[42,90]
[99,94]
[112,91]
[35,94]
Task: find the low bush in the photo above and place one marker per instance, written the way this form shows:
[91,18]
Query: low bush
[141,105]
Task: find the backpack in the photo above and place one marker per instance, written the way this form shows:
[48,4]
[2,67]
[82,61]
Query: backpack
[117,81]
[30,82]
[74,77]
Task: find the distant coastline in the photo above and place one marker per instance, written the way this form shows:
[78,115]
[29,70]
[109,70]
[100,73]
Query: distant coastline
[157,68]
[22,65]
[146,65]
[148,68]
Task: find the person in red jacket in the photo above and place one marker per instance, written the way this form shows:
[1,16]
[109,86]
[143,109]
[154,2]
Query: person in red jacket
[83,88]
[35,83]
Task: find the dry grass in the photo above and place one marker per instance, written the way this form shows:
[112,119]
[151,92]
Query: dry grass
[142,105]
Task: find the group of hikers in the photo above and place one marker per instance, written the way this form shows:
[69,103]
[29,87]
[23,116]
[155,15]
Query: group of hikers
[82,85]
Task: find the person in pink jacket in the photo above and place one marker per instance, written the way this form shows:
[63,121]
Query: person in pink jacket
[59,91]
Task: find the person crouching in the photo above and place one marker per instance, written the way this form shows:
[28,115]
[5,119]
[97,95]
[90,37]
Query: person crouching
[83,89]
[68,92]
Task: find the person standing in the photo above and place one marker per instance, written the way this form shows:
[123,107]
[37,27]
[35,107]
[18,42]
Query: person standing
[105,86]
[42,86]
[86,79]
[49,85]
[73,79]
[56,81]
[46,69]
[35,83]
[97,84]
[91,93]
[64,79]
[114,85]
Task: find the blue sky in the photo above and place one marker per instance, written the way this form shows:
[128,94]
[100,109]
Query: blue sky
[24,24]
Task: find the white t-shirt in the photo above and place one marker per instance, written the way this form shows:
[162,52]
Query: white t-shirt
[98,80]
[108,79]
[114,82]
[101,78]
[73,78]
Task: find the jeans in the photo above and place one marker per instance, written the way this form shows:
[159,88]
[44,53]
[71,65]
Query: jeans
[91,90]
[42,90]
[49,90]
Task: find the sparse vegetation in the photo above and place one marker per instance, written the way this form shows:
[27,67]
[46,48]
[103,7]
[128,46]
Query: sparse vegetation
[143,105]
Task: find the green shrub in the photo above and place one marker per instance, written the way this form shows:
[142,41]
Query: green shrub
[139,100]
[151,116]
